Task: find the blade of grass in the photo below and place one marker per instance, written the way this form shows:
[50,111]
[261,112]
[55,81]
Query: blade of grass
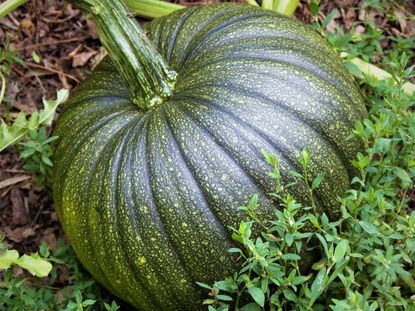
[3,87]
[252,2]
[10,5]
[151,8]
[372,71]
[268,4]
[286,7]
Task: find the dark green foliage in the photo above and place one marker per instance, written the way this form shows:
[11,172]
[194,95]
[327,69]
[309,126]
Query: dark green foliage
[39,294]
[36,153]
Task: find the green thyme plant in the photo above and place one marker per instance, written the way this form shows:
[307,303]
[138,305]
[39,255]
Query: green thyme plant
[36,153]
[367,256]
[43,290]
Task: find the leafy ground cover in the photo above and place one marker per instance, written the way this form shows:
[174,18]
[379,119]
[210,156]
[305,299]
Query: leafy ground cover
[366,257]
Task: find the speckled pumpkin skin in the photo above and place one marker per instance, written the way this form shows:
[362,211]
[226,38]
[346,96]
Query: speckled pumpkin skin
[146,198]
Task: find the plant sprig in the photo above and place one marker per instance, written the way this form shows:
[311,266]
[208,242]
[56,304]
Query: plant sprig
[10,134]
[33,263]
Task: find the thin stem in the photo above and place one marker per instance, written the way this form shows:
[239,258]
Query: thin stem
[151,8]
[309,189]
[239,293]
[150,79]
[3,87]
[398,210]
[372,71]
[10,5]
[154,8]
[286,7]
[268,4]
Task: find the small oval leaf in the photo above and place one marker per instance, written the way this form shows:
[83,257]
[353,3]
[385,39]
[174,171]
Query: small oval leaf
[341,250]
[258,295]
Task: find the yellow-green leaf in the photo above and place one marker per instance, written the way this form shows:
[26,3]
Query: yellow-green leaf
[8,258]
[35,264]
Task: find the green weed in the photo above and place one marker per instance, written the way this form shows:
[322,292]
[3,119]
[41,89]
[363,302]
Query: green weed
[36,153]
[79,293]
[367,256]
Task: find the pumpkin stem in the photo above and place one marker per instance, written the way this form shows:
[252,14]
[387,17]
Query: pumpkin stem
[149,77]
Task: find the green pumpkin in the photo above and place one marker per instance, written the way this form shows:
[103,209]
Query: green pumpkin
[146,197]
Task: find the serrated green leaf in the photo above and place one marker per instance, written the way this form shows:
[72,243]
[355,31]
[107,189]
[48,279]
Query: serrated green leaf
[20,121]
[5,134]
[46,115]
[33,121]
[21,126]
